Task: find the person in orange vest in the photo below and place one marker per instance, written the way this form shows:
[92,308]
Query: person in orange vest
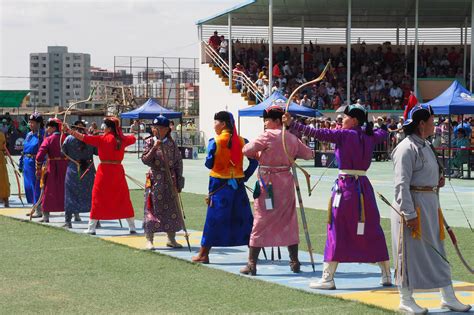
[229,217]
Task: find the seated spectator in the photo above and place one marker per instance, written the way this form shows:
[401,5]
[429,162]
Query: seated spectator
[286,69]
[276,70]
[305,101]
[336,101]
[460,156]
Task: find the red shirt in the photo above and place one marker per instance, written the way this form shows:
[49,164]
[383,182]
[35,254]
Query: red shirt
[276,71]
[214,41]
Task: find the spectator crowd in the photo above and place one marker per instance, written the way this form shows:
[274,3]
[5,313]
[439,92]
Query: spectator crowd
[381,77]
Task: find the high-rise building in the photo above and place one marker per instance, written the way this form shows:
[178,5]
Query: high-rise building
[57,77]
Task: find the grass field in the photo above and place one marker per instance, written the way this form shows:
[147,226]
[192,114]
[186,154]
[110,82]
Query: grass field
[50,270]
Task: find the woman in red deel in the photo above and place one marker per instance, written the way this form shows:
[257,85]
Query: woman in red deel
[110,194]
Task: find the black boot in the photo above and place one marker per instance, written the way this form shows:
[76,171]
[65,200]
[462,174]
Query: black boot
[251,268]
[67,221]
[45,218]
[77,217]
[294,262]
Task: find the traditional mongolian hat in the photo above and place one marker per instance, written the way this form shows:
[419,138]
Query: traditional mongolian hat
[161,121]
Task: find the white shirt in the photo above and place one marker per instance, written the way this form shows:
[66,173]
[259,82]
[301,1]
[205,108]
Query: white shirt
[223,47]
[396,92]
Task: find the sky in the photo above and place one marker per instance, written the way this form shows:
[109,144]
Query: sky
[102,28]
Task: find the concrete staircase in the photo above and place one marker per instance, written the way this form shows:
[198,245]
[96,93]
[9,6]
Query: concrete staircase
[225,80]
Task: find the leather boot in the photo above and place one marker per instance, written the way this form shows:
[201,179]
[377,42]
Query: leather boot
[327,280]
[172,240]
[92,226]
[149,241]
[450,301]
[386,279]
[77,217]
[295,264]
[67,221]
[251,268]
[131,225]
[408,304]
[202,256]
[45,217]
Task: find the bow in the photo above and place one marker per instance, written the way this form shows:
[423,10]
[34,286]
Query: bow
[17,174]
[42,186]
[62,131]
[460,204]
[385,200]
[456,247]
[445,223]
[321,176]
[294,165]
[441,174]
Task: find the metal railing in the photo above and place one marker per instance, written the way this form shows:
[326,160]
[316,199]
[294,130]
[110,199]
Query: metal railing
[239,78]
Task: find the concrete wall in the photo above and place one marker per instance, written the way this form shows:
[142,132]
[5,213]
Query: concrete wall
[215,96]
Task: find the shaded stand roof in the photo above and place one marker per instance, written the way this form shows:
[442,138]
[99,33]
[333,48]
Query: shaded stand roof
[333,13]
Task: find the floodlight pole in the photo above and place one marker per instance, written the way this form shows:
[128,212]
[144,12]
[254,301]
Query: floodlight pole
[415,70]
[229,50]
[270,46]
[348,44]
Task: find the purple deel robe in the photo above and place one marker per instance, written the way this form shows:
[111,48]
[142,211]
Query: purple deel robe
[353,152]
[53,198]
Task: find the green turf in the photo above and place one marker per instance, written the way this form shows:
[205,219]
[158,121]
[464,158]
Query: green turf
[195,210]
[49,270]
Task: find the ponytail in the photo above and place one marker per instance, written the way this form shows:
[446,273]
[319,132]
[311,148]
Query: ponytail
[113,128]
[369,125]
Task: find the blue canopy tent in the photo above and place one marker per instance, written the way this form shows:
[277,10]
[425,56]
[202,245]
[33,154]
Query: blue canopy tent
[455,100]
[150,110]
[294,109]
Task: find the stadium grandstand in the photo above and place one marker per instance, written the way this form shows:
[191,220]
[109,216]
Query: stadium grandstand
[277,45]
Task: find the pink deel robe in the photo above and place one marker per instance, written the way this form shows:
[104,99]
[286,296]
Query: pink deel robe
[277,227]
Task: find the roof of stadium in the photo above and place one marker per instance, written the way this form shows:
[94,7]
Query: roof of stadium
[333,13]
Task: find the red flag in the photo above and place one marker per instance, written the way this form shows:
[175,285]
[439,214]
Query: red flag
[412,101]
